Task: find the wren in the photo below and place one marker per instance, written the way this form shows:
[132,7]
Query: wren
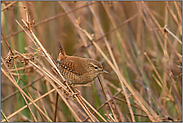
[77,70]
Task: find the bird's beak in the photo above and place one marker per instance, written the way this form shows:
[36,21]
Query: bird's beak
[105,71]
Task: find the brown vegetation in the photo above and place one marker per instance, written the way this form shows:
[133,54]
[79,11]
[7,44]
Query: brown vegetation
[139,44]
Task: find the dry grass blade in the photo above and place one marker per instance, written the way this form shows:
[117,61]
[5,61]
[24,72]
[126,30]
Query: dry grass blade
[164,86]
[136,95]
[23,91]
[4,99]
[47,73]
[125,93]
[19,110]
[53,64]
[51,18]
[13,80]
[8,5]
[140,48]
[50,60]
[178,11]
[94,109]
[172,14]
[167,30]
[114,62]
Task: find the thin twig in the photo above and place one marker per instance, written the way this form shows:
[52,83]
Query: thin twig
[167,30]
[56,105]
[21,91]
[8,5]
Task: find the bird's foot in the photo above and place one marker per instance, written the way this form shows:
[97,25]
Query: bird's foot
[77,91]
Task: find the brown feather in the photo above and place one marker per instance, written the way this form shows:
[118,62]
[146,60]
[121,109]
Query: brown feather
[62,54]
[70,66]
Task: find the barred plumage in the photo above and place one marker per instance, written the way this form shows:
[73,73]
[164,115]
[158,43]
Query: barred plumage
[77,70]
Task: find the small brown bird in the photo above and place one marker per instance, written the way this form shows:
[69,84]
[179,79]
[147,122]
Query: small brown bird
[77,70]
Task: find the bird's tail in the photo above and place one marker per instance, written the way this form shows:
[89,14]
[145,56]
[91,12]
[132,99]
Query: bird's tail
[62,54]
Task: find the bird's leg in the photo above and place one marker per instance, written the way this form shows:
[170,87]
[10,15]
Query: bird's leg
[72,89]
[64,82]
[77,91]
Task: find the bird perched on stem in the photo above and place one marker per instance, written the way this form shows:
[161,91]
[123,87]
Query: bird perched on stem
[77,70]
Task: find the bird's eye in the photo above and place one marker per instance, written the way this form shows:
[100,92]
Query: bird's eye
[96,67]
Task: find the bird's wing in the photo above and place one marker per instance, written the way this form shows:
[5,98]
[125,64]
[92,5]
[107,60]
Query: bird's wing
[70,66]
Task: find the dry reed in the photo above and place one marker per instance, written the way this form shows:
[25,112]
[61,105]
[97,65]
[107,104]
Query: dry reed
[140,47]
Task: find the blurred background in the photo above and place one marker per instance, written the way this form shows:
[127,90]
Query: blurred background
[131,28]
